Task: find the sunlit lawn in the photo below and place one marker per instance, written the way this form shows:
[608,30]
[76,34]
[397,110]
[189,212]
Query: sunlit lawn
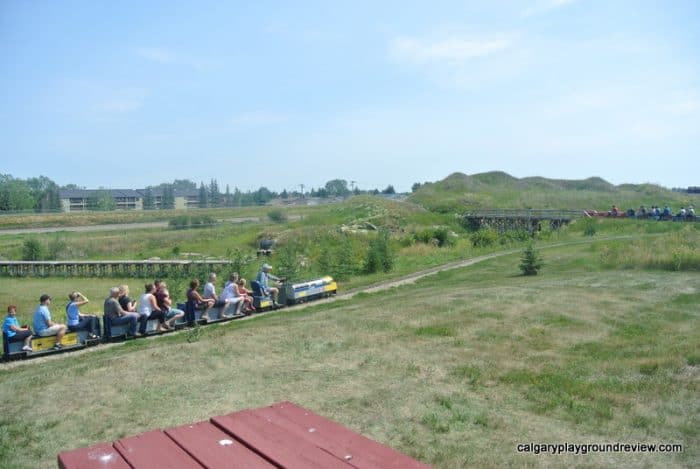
[455,370]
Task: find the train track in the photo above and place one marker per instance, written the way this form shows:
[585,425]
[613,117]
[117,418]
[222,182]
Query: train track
[378,287]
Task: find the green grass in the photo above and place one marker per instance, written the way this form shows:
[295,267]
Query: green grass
[455,370]
[459,192]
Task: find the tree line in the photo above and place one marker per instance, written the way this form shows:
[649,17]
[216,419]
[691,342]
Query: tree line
[38,194]
[42,194]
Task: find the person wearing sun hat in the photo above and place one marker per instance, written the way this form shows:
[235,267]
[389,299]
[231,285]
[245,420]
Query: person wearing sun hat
[44,326]
[263,278]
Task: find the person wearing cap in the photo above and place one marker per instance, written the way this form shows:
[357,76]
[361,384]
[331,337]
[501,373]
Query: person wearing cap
[44,326]
[263,278]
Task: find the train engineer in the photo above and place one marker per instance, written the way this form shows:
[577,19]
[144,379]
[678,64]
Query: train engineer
[263,279]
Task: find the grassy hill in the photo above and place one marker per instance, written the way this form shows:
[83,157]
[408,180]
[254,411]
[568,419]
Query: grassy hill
[456,370]
[460,192]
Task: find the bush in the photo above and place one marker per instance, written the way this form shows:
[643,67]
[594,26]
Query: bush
[191,221]
[346,263]
[287,262]
[589,227]
[380,256]
[513,236]
[32,250]
[277,216]
[55,248]
[436,236]
[484,237]
[531,262]
[240,259]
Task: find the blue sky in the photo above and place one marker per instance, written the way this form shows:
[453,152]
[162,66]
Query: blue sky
[130,93]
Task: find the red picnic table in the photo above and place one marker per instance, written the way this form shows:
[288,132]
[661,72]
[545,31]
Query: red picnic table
[281,435]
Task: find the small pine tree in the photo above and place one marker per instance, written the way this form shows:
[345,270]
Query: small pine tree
[32,250]
[531,262]
[344,264]
[287,262]
[380,256]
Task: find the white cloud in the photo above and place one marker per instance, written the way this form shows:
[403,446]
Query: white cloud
[156,54]
[120,105]
[543,6]
[454,50]
[162,55]
[121,101]
[258,118]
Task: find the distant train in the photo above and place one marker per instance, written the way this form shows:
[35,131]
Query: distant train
[290,294]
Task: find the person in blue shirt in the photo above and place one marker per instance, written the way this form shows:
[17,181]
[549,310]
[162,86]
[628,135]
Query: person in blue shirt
[263,278]
[79,321]
[14,332]
[44,326]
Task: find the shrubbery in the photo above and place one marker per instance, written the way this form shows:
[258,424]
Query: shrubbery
[484,237]
[380,256]
[191,221]
[32,250]
[678,251]
[514,236]
[440,237]
[277,216]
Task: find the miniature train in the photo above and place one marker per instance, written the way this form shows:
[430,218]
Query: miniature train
[289,295]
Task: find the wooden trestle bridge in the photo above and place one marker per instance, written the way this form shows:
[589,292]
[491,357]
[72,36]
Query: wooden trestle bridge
[521,219]
[137,269]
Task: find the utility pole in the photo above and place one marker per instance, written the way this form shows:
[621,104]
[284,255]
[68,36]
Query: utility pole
[352,183]
[302,190]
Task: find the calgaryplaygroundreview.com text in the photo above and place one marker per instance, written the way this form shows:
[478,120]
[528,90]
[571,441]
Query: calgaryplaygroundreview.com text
[586,448]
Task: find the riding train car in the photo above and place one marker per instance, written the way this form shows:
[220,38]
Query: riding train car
[290,294]
[44,345]
[293,293]
[306,291]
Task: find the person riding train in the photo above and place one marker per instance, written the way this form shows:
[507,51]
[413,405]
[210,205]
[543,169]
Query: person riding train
[14,332]
[44,326]
[263,279]
[79,321]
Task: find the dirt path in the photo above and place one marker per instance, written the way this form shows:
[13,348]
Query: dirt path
[122,226]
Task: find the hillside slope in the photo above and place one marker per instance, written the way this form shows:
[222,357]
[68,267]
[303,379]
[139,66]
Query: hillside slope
[459,192]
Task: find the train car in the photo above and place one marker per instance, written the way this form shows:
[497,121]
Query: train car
[290,294]
[43,345]
[307,291]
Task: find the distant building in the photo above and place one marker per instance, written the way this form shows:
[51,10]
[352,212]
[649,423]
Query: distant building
[79,200]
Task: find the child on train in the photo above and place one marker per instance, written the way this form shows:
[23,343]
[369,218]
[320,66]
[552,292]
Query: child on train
[247,298]
[14,332]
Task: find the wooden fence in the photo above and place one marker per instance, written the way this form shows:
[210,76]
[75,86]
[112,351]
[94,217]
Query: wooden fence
[137,269]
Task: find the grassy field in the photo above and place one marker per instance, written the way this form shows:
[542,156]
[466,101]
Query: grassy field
[455,370]
[29,220]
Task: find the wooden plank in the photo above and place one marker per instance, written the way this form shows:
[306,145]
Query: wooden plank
[102,456]
[154,450]
[335,438]
[278,445]
[213,448]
